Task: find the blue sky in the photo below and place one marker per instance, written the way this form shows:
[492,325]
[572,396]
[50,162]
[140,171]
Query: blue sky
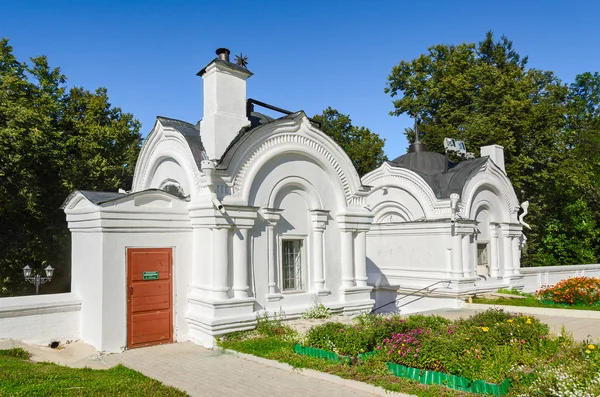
[305,55]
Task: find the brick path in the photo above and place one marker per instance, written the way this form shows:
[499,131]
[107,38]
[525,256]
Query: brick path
[203,372]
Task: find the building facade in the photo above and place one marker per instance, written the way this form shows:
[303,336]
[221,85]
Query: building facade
[242,214]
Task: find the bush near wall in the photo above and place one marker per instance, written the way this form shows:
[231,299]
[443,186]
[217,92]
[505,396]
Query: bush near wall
[573,291]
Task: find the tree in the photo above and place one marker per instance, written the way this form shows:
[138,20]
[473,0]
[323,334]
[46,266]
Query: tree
[52,141]
[485,94]
[364,147]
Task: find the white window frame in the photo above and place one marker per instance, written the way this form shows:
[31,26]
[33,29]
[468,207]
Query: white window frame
[303,263]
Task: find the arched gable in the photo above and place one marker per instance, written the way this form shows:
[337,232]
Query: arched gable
[490,182]
[166,144]
[291,135]
[402,178]
[306,189]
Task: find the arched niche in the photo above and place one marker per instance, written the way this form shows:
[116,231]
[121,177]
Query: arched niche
[168,172]
[391,204]
[487,209]
[300,171]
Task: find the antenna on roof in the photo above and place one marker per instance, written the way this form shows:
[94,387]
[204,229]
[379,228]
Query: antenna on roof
[455,146]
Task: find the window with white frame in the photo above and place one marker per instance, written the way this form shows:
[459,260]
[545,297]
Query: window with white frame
[292,264]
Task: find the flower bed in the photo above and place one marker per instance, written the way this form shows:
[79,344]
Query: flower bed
[573,291]
[481,354]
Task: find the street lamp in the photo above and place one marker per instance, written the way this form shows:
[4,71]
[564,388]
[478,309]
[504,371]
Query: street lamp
[38,280]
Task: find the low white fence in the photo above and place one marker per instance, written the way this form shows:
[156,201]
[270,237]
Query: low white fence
[41,319]
[535,278]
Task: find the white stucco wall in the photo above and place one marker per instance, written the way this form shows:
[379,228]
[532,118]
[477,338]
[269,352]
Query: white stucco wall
[536,277]
[100,238]
[277,185]
[41,319]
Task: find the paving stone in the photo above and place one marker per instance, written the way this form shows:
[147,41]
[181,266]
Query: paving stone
[202,372]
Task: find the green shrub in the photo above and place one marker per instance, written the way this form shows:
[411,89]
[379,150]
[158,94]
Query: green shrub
[318,310]
[324,336]
[17,352]
[573,291]
[433,323]
[273,326]
[346,340]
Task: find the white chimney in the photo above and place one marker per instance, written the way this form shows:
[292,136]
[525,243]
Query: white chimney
[496,154]
[224,103]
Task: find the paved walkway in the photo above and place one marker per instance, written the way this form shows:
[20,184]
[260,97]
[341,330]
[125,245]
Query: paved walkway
[203,372]
[583,329]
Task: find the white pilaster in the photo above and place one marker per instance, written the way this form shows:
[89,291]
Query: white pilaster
[220,260]
[319,221]
[272,216]
[507,255]
[468,266]
[240,262]
[360,259]
[347,258]
[493,259]
[457,256]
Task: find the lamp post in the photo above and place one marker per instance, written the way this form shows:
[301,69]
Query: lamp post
[38,280]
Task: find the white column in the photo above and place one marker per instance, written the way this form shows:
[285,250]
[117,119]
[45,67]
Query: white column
[220,259]
[319,275]
[360,258]
[240,263]
[347,256]
[272,215]
[319,222]
[516,245]
[493,259]
[474,257]
[467,260]
[457,257]
[272,253]
[201,252]
[507,253]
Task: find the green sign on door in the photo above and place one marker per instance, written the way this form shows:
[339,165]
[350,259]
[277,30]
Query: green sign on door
[150,275]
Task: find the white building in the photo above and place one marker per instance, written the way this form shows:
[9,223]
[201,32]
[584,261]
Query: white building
[241,214]
[270,216]
[442,230]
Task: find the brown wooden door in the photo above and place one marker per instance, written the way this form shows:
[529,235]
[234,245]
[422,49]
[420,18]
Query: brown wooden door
[149,297]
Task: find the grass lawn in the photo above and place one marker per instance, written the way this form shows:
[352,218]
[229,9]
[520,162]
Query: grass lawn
[21,377]
[531,301]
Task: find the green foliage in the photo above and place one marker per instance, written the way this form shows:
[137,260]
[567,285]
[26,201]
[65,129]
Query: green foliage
[317,310]
[17,352]
[484,94]
[365,148]
[52,140]
[512,291]
[20,377]
[573,291]
[532,301]
[272,326]
[491,346]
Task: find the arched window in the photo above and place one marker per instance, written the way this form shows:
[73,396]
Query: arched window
[174,188]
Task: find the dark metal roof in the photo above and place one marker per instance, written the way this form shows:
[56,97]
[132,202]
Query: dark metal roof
[104,197]
[190,132]
[101,197]
[432,168]
[94,197]
[257,120]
